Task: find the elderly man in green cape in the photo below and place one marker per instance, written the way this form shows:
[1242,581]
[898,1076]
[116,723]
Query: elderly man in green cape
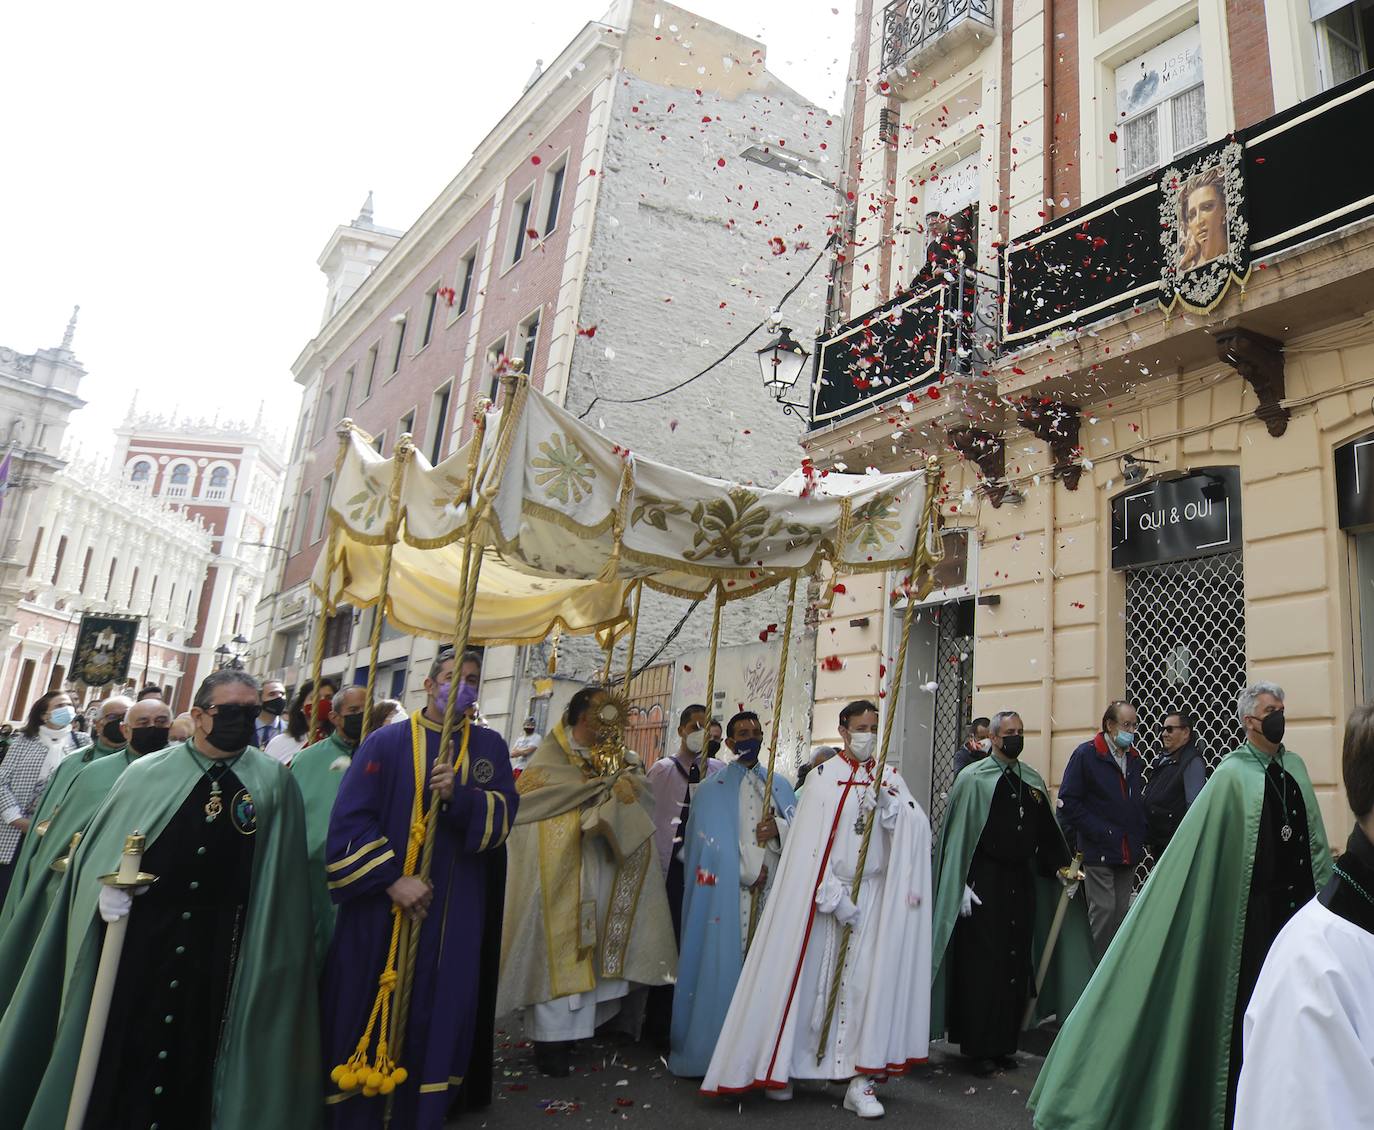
[995,899]
[212,1019]
[144,728]
[1156,1039]
[318,770]
[37,851]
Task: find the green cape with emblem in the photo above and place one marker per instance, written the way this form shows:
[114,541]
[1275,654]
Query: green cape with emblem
[318,774]
[83,794]
[37,852]
[268,1064]
[967,813]
[1149,1044]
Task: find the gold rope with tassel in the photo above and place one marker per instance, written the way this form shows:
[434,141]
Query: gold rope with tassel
[380,1075]
[768,811]
[400,459]
[924,553]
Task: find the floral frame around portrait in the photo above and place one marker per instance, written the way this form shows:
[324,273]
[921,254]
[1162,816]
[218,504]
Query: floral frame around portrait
[1200,288]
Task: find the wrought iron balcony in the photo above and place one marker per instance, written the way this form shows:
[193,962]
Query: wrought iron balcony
[912,26]
[944,326]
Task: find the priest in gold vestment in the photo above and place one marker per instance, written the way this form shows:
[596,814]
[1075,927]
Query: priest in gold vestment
[587,919]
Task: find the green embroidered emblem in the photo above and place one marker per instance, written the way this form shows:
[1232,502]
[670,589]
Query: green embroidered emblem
[873,522]
[562,470]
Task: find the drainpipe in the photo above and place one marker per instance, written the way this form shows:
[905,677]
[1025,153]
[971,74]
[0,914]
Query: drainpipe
[1047,675]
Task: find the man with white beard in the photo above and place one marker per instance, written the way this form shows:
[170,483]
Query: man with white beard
[780,1027]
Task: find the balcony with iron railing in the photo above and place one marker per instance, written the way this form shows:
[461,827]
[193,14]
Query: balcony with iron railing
[914,31]
[944,326]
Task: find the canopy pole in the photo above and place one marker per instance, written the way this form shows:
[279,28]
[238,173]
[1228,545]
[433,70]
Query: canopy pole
[630,646]
[331,549]
[711,675]
[515,388]
[924,554]
[405,448]
[754,895]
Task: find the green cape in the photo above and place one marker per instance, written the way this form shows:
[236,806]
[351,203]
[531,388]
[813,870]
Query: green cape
[967,813]
[36,852]
[319,785]
[269,1058]
[1149,1044]
[19,933]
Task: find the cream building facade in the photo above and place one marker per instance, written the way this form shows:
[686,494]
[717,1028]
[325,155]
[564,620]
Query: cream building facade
[1161,505]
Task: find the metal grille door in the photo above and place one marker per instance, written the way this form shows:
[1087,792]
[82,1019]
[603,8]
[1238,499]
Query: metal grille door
[1185,648]
[953,700]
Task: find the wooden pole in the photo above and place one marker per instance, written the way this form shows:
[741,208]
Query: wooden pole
[331,548]
[400,459]
[754,896]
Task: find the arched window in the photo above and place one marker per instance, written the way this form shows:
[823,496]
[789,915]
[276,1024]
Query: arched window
[179,484]
[142,469]
[218,488]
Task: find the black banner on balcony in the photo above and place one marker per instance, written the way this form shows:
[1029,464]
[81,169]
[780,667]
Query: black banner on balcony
[1310,169]
[890,351]
[1188,231]
[1085,266]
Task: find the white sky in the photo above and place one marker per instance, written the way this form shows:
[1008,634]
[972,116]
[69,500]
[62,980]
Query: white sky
[177,168]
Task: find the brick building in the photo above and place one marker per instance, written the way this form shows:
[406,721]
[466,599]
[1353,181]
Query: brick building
[611,233]
[226,476]
[1152,423]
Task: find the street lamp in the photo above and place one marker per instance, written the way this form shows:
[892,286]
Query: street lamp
[221,657]
[781,362]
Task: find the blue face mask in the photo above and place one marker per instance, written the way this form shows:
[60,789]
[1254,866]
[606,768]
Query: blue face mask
[748,750]
[1125,739]
[60,717]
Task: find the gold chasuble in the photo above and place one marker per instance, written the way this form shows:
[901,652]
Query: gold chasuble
[575,818]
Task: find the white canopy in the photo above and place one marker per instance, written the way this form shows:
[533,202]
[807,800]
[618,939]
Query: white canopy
[570,520]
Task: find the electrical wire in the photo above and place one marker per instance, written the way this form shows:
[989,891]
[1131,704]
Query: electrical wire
[718,361]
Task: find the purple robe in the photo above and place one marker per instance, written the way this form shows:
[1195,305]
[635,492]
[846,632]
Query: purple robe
[364,855]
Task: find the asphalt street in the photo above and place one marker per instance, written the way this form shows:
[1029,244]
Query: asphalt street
[616,1082]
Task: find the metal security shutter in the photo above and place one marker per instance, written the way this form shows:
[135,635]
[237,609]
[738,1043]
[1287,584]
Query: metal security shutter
[953,700]
[1185,647]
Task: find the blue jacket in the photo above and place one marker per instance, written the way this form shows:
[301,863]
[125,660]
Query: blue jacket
[1104,807]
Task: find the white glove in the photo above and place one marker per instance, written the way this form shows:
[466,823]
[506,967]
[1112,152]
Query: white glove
[1071,889]
[970,900]
[115,902]
[846,913]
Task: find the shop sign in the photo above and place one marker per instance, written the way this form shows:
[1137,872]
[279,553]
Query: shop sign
[1355,483]
[1177,519]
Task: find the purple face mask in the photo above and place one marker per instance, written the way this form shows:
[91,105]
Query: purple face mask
[467,696]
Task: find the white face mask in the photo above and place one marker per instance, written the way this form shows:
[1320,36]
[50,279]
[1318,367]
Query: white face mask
[696,741]
[984,744]
[861,745]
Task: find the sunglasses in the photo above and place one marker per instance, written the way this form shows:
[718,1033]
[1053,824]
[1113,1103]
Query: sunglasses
[1171,729]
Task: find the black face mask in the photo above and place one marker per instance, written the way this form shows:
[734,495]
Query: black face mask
[112,733]
[351,727]
[712,747]
[1272,726]
[149,739]
[274,706]
[233,726]
[1013,744]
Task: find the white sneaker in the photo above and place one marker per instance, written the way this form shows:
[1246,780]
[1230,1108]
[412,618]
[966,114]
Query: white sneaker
[779,1094]
[862,1099]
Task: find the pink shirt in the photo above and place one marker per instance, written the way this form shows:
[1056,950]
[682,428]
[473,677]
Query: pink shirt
[668,781]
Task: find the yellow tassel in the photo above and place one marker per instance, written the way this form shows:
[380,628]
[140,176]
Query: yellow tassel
[348,1081]
[399,1076]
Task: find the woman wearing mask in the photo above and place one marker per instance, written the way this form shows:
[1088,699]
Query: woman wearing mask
[286,744]
[34,753]
[1101,799]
